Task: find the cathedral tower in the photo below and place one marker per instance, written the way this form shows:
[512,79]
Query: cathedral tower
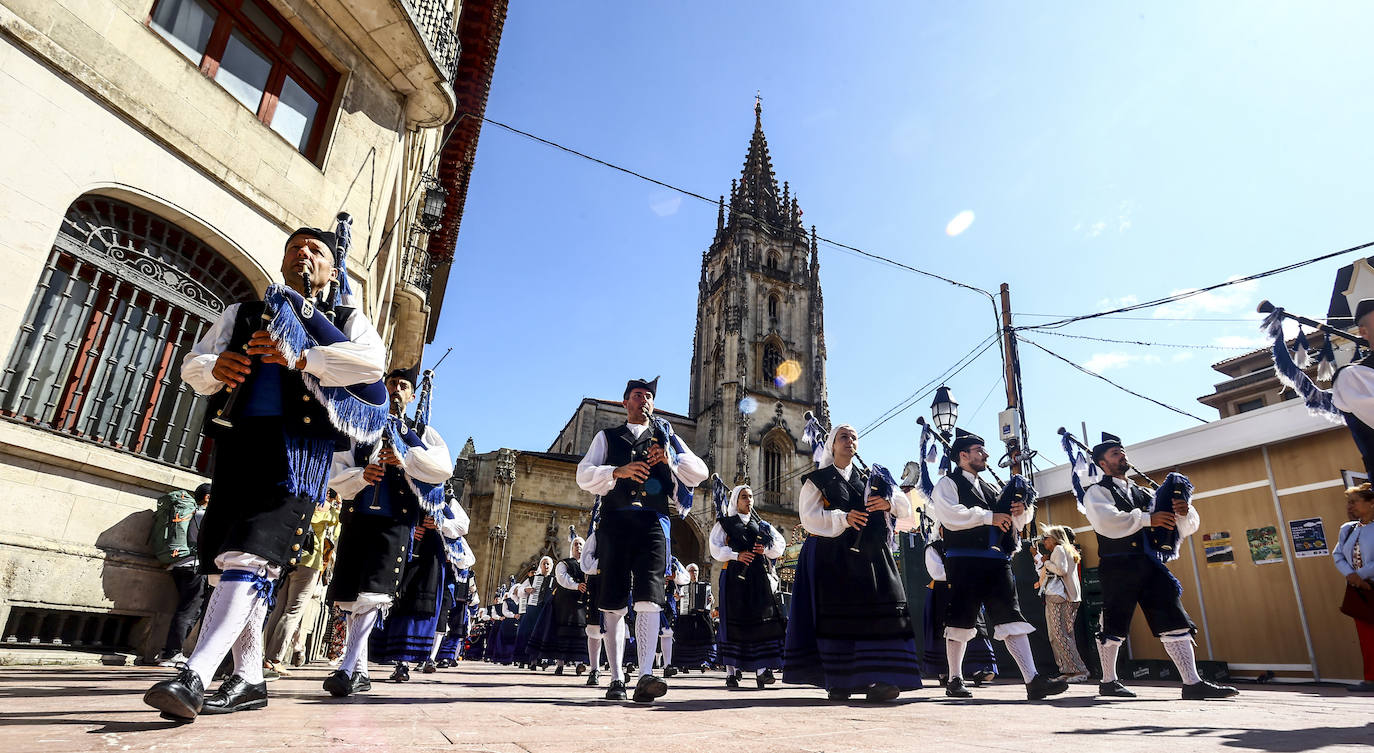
[758,357]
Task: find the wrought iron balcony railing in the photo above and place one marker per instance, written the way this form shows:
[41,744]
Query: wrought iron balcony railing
[435,22]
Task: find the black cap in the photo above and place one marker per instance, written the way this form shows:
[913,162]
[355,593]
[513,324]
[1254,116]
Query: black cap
[202,490]
[641,384]
[1365,307]
[963,440]
[410,374]
[323,236]
[1108,442]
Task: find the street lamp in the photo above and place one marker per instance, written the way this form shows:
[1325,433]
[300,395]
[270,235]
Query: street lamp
[432,211]
[944,411]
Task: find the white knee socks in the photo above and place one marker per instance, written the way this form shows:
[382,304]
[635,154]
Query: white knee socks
[954,654]
[434,650]
[355,652]
[1108,651]
[1020,649]
[248,647]
[226,614]
[667,642]
[646,640]
[1180,649]
[614,640]
[594,652]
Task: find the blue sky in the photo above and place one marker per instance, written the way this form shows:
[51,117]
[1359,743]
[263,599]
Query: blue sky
[1109,152]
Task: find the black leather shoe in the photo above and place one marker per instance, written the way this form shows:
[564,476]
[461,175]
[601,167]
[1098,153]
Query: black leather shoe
[428,668]
[648,688]
[880,692]
[954,688]
[1041,687]
[732,681]
[361,683]
[180,697]
[338,683]
[615,691]
[765,679]
[982,677]
[592,678]
[1114,689]
[401,673]
[235,694]
[1203,691]
[837,695]
[558,670]
[581,668]
[670,671]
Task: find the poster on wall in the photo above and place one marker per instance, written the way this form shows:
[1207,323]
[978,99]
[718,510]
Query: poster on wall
[1217,546]
[1309,538]
[1265,547]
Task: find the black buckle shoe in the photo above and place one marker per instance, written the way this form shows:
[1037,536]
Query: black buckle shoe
[338,683]
[648,688]
[670,671]
[581,668]
[765,679]
[401,673]
[1041,687]
[615,691]
[428,668]
[732,680]
[954,688]
[592,678]
[837,695]
[881,692]
[236,694]
[180,697]
[1114,689]
[361,683]
[1204,691]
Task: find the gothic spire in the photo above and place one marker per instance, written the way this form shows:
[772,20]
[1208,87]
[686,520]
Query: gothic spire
[757,192]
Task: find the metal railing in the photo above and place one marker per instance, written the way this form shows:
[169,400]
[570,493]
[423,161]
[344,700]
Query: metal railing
[435,22]
[417,268]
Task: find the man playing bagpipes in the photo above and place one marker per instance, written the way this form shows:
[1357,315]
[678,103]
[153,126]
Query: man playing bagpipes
[979,544]
[636,469]
[287,375]
[849,628]
[1136,535]
[752,623]
[394,505]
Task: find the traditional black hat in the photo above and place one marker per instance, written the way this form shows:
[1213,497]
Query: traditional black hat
[1108,442]
[963,440]
[323,236]
[410,374]
[1365,307]
[642,384]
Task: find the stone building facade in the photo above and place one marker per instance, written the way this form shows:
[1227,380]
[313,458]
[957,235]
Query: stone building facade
[758,365]
[157,154]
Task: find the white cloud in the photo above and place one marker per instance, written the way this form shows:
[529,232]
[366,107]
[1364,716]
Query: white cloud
[664,205]
[1120,221]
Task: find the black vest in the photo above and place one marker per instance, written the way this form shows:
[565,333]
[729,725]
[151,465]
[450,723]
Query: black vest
[1139,500]
[654,493]
[389,498]
[302,414]
[839,494]
[978,537]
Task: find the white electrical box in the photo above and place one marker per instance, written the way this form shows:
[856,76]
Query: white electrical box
[1009,426]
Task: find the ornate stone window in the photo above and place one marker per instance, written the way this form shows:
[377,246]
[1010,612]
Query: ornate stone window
[251,51]
[121,300]
[775,454]
[772,359]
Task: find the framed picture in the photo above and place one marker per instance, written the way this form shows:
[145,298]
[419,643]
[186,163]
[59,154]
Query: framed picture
[1354,478]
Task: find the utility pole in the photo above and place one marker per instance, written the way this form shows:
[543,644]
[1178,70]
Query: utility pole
[1009,421]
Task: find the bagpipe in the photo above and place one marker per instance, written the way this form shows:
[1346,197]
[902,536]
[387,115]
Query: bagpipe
[878,481]
[720,496]
[1018,489]
[1176,488]
[662,436]
[299,322]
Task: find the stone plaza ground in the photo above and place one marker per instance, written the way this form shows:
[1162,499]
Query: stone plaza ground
[481,707]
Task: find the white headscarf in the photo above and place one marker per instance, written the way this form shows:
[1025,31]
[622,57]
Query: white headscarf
[540,569]
[828,456]
[732,507]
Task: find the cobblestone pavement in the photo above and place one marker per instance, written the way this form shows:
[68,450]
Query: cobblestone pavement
[481,707]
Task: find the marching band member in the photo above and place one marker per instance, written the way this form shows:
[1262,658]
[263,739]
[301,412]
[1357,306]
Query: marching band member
[979,660]
[561,636]
[849,630]
[594,618]
[693,632]
[1133,572]
[752,623]
[383,488]
[271,464]
[636,469]
[673,580]
[533,591]
[979,570]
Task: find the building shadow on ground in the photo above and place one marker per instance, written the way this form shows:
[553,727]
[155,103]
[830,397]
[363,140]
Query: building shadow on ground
[1276,741]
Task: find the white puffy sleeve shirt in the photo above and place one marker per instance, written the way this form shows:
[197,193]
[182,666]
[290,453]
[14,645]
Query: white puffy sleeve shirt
[431,464]
[594,477]
[831,523]
[1101,511]
[949,512]
[1353,392]
[360,358]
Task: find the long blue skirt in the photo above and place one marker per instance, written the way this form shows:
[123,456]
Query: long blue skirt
[694,642]
[404,637]
[836,664]
[978,654]
[746,655]
[503,648]
[522,633]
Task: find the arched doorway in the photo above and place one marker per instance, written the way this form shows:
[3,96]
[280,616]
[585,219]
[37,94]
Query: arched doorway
[687,544]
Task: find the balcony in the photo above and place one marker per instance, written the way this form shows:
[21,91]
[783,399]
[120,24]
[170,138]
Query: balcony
[416,277]
[414,43]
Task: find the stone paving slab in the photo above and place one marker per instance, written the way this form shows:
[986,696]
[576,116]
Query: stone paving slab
[481,707]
